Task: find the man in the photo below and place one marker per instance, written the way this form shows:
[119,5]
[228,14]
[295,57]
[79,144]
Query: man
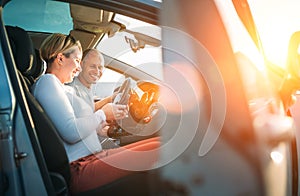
[92,66]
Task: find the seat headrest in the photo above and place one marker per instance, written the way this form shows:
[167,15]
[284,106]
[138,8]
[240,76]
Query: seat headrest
[27,58]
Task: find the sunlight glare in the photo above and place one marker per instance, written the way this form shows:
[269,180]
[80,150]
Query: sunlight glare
[276,21]
[276,156]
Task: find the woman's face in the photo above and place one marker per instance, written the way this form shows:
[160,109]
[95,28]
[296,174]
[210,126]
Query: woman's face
[70,65]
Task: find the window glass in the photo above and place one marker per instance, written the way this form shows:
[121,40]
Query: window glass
[148,59]
[39,15]
[259,91]
[108,82]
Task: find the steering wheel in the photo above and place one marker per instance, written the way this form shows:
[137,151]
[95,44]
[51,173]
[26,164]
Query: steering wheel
[142,108]
[145,112]
[123,92]
[122,97]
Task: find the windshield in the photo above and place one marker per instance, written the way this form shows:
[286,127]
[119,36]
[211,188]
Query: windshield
[148,59]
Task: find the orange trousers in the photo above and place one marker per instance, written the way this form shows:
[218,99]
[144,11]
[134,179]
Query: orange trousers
[109,165]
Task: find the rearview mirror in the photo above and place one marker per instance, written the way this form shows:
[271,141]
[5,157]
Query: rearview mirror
[140,40]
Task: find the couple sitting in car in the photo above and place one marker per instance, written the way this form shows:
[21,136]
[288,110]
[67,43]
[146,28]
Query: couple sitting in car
[77,119]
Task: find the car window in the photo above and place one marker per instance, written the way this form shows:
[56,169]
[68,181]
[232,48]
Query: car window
[248,56]
[55,15]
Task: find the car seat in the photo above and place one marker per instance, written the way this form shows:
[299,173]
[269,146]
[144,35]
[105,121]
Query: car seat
[30,67]
[26,57]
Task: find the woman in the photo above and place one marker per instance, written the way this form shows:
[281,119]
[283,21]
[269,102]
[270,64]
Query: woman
[91,166]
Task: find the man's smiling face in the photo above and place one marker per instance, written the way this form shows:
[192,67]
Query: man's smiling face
[92,69]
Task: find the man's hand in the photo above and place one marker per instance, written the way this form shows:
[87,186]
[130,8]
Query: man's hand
[99,104]
[115,111]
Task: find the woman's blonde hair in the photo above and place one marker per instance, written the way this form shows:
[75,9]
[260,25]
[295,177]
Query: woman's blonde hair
[58,43]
